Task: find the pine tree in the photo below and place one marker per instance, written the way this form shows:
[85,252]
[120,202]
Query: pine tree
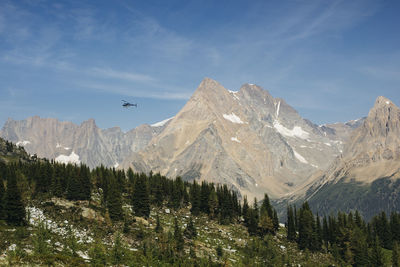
[195,198]
[178,237]
[275,220]
[177,193]
[291,230]
[376,258]
[359,247]
[396,255]
[213,203]
[245,210]
[204,197]
[306,222]
[252,225]
[158,228]
[140,198]
[14,208]
[2,195]
[117,252]
[395,226]
[114,200]
[190,231]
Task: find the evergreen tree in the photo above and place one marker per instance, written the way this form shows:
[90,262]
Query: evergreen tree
[265,222]
[267,205]
[245,210]
[190,231]
[140,198]
[376,258]
[213,203]
[117,252]
[114,200]
[195,198]
[395,226]
[275,220]
[97,254]
[252,225]
[317,234]
[359,248]
[306,229]
[14,208]
[158,228]
[177,193]
[2,195]
[396,255]
[204,197]
[178,237]
[291,230]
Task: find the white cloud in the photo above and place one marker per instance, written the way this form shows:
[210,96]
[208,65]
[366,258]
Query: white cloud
[128,76]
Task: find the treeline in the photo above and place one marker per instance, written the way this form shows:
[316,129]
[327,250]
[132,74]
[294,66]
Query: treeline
[348,237]
[42,179]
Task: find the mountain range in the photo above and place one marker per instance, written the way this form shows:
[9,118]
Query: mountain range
[247,139]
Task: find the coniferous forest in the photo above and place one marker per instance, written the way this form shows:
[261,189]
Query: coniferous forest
[63,215]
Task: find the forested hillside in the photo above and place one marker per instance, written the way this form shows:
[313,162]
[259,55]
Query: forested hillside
[57,214]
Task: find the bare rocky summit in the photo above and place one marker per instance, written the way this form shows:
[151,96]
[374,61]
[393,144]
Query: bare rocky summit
[247,139]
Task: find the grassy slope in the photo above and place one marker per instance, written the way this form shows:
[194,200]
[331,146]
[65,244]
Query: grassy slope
[20,245]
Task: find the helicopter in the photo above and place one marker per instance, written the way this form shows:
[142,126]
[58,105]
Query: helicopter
[126,104]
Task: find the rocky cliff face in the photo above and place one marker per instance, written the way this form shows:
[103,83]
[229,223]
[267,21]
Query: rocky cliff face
[248,139]
[366,176]
[68,142]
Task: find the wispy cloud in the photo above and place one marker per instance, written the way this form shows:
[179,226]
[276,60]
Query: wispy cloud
[133,91]
[120,75]
[383,73]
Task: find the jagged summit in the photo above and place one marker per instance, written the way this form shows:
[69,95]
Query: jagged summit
[247,139]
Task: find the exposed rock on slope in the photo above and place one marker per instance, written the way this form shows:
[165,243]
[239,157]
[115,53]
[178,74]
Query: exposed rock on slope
[247,139]
[365,176]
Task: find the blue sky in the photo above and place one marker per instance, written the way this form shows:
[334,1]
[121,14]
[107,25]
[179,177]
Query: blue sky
[75,60]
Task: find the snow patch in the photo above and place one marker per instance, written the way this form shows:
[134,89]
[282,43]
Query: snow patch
[60,146]
[116,165]
[22,143]
[235,139]
[277,109]
[233,118]
[328,144]
[297,131]
[73,158]
[387,102]
[300,157]
[234,94]
[161,123]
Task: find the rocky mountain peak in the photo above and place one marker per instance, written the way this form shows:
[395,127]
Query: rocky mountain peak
[90,123]
[383,119]
[209,87]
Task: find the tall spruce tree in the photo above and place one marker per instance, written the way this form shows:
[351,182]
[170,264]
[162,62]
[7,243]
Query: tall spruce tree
[190,231]
[291,230]
[376,257]
[195,198]
[114,200]
[396,255]
[178,237]
[14,207]
[306,227]
[2,195]
[140,197]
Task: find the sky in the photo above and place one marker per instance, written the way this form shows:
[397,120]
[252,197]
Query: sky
[75,60]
